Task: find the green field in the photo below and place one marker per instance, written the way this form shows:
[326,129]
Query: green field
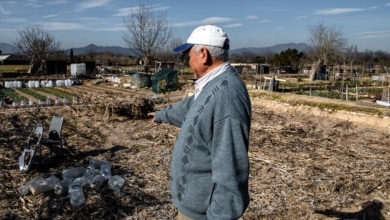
[14,68]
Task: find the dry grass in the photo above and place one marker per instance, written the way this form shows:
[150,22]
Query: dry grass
[305,163]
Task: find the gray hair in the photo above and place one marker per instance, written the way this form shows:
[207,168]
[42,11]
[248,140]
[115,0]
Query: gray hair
[217,53]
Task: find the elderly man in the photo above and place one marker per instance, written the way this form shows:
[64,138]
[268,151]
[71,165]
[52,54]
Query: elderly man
[210,166]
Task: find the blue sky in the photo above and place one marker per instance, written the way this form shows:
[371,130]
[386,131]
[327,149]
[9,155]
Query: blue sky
[249,23]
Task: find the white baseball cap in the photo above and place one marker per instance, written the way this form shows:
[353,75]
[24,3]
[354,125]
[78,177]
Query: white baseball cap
[210,35]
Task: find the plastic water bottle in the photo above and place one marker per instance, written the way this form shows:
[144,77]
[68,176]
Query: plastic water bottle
[76,195]
[95,164]
[97,182]
[105,169]
[90,174]
[48,101]
[25,189]
[80,181]
[116,182]
[62,186]
[43,185]
[73,173]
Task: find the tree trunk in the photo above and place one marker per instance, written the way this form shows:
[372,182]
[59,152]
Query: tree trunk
[313,70]
[146,64]
[34,66]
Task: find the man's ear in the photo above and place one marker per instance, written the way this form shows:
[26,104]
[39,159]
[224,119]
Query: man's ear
[206,57]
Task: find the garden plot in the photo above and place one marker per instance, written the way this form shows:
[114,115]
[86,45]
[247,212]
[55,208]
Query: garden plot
[306,163]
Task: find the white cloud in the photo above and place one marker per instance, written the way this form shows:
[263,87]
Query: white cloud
[374,34]
[214,20]
[336,11]
[33,4]
[127,11]
[15,20]
[251,17]
[2,10]
[302,17]
[210,20]
[56,2]
[279,28]
[117,28]
[264,21]
[233,25]
[50,16]
[92,4]
[388,4]
[7,31]
[63,26]
[159,7]
[94,19]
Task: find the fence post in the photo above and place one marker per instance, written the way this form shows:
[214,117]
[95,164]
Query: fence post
[357,94]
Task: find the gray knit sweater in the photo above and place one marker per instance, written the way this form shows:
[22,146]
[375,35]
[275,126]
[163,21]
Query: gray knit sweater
[210,166]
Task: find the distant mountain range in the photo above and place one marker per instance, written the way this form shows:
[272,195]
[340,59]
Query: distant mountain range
[272,49]
[8,49]
[101,49]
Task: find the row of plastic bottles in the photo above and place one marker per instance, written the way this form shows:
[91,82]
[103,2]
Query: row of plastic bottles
[13,84]
[74,180]
[39,102]
[37,83]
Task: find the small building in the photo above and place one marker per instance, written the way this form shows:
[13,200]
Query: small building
[286,69]
[253,68]
[11,59]
[90,67]
[77,69]
[55,66]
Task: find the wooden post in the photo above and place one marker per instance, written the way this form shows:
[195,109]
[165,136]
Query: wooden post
[357,93]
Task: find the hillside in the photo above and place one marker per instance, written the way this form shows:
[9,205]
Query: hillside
[122,51]
[7,48]
[272,49]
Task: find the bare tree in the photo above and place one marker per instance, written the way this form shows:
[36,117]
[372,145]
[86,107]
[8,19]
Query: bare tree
[38,45]
[350,55]
[382,59]
[166,54]
[147,31]
[326,42]
[366,60]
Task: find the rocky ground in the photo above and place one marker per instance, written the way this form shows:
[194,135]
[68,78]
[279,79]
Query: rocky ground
[306,163]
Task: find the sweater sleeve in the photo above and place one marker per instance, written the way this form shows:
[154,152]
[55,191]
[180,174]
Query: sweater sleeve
[174,114]
[230,169]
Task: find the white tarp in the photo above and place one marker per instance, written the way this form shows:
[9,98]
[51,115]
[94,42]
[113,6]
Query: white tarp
[77,69]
